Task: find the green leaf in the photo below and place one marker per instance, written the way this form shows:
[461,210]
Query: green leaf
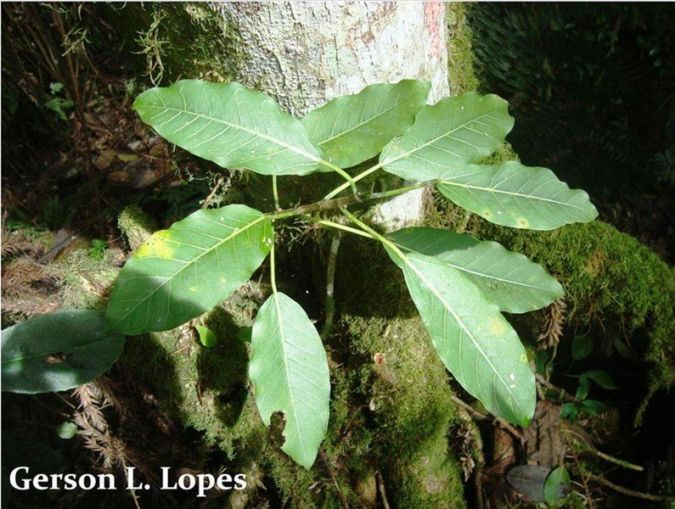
[569,411]
[207,337]
[592,407]
[474,341]
[507,279]
[230,125]
[447,136]
[518,196]
[354,128]
[66,430]
[289,371]
[584,387]
[57,351]
[601,378]
[556,485]
[184,271]
[541,361]
[582,346]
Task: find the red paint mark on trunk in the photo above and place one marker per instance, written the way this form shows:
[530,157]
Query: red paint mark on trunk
[433,16]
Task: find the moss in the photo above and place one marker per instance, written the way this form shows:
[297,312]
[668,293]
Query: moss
[460,56]
[611,279]
[136,226]
[408,394]
[403,404]
[86,282]
[401,379]
[173,41]
[613,284]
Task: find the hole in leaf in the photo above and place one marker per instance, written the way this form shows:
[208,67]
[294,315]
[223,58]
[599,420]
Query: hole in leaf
[56,358]
[276,430]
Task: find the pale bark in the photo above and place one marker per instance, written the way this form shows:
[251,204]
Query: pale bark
[306,53]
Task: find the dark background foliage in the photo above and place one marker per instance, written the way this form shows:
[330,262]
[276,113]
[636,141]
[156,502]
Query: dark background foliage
[592,87]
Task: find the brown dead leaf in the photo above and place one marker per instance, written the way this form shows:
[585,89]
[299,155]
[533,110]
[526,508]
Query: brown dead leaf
[104,159]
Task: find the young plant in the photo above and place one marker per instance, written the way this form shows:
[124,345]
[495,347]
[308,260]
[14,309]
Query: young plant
[460,285]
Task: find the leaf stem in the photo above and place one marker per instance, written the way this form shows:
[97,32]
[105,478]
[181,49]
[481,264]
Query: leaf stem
[353,181]
[344,201]
[375,235]
[273,266]
[338,226]
[350,181]
[330,287]
[275,193]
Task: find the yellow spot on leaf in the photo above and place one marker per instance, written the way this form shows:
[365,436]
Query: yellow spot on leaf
[522,222]
[156,246]
[486,213]
[497,326]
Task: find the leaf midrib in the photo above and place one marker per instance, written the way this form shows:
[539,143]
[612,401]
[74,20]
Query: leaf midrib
[509,193]
[194,260]
[286,369]
[466,331]
[481,274]
[50,352]
[434,140]
[276,141]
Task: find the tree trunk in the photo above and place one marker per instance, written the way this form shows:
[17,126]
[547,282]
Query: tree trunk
[305,54]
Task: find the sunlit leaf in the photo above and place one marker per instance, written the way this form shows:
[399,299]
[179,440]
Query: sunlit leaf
[57,351]
[231,125]
[207,337]
[474,341]
[507,279]
[289,371]
[518,196]
[448,136]
[186,270]
[354,128]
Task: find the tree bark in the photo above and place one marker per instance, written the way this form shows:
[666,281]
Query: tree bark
[305,54]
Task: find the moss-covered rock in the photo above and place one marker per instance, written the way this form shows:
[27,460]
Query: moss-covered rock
[613,285]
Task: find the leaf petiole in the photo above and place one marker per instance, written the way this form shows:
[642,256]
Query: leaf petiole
[338,226]
[275,193]
[273,268]
[373,233]
[352,181]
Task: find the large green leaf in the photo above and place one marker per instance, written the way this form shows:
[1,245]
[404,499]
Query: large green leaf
[184,271]
[289,371]
[507,279]
[57,351]
[511,194]
[353,128]
[474,341]
[230,125]
[447,136]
